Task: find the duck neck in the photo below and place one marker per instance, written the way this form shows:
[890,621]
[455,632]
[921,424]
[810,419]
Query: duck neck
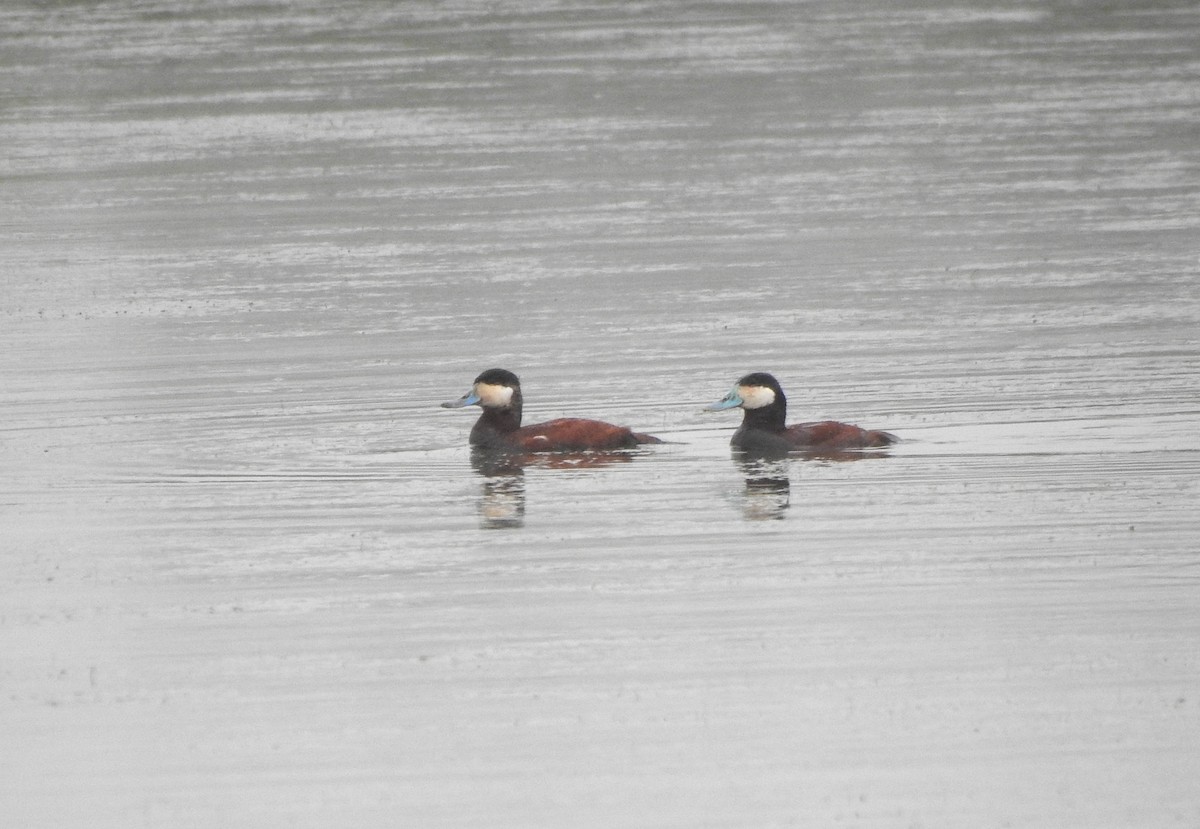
[770,418]
[498,421]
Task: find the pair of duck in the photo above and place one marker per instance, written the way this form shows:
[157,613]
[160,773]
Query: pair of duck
[498,393]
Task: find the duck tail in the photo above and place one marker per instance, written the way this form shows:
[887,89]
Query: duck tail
[877,439]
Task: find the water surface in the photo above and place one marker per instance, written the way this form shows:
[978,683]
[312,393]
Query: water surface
[252,577]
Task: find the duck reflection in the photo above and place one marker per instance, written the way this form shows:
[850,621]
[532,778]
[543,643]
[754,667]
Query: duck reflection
[768,492]
[502,504]
[502,501]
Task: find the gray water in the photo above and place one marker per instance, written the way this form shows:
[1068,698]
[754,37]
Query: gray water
[250,577]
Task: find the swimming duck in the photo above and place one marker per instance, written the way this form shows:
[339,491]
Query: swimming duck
[498,393]
[764,427]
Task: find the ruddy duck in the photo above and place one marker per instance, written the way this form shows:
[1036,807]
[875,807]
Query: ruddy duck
[764,430]
[498,393]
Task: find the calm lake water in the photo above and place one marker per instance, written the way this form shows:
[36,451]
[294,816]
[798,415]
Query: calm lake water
[249,575]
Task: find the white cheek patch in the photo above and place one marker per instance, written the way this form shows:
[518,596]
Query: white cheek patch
[493,396]
[755,397]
